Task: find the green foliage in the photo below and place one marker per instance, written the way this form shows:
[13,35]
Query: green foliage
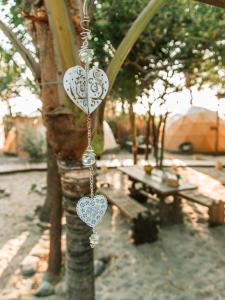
[185,37]
[13,74]
[34,144]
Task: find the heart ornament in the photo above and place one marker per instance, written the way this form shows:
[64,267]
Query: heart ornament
[92,210]
[87,98]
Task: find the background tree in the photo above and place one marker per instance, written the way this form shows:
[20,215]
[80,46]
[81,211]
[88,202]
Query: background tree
[181,39]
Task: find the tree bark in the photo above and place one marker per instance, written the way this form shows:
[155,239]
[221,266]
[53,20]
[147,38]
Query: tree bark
[217,131]
[163,142]
[219,3]
[52,208]
[148,131]
[54,194]
[155,140]
[49,98]
[133,132]
[79,266]
[45,210]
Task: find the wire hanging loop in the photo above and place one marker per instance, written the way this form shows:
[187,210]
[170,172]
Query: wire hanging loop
[86,54]
[85,7]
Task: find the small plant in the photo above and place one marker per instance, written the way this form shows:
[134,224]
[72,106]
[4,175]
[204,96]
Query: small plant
[33,143]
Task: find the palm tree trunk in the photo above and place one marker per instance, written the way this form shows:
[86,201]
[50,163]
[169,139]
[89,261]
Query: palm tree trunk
[79,269]
[66,132]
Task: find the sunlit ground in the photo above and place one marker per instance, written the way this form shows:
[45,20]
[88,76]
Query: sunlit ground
[186,263]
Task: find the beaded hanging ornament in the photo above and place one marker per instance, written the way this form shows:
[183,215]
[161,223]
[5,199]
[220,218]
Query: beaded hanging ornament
[87,87]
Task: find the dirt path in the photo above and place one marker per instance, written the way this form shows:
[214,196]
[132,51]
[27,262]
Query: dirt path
[187,263]
[18,235]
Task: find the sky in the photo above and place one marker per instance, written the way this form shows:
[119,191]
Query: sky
[30,105]
[180,102]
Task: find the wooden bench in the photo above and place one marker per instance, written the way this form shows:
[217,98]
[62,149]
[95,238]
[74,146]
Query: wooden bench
[216,209]
[143,223]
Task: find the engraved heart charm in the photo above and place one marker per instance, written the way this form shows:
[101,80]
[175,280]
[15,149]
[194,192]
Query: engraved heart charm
[92,210]
[87,92]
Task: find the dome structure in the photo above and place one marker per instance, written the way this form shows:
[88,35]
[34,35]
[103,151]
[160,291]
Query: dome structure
[109,139]
[198,131]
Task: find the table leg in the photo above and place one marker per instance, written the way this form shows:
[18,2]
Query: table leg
[170,213]
[177,208]
[135,193]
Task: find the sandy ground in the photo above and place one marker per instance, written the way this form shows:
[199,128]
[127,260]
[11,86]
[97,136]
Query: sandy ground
[188,261]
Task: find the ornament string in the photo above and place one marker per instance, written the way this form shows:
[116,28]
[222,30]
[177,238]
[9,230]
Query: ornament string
[87,87]
[86,35]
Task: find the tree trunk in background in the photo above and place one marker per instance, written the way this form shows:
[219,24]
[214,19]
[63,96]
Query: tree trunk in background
[133,132]
[191,96]
[148,131]
[154,140]
[162,142]
[55,198]
[217,131]
[79,268]
[44,214]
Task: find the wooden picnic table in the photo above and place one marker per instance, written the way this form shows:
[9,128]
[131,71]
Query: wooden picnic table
[172,213]
[169,213]
[137,174]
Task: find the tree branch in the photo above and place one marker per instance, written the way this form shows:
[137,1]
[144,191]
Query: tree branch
[137,66]
[219,3]
[26,55]
[131,37]
[65,46]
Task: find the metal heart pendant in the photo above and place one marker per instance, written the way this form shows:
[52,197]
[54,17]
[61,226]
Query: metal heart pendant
[92,210]
[85,97]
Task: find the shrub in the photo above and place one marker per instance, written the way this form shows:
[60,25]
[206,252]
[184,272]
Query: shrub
[33,143]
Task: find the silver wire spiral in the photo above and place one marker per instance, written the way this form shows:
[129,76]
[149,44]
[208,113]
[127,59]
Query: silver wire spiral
[86,54]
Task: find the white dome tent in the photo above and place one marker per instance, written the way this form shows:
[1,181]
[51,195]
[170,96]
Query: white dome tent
[2,135]
[196,128]
[109,139]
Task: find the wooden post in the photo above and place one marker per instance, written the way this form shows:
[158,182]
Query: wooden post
[170,213]
[216,213]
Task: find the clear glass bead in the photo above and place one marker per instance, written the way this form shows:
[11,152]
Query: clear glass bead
[88,158]
[86,55]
